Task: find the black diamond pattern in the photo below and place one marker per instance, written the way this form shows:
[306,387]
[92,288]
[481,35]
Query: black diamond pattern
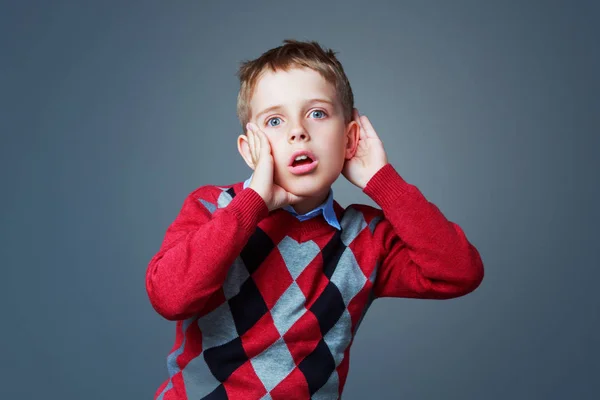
[328,308]
[256,250]
[223,360]
[218,394]
[317,367]
[247,307]
[332,252]
[231,192]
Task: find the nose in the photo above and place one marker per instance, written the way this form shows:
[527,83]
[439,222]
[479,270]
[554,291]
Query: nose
[298,134]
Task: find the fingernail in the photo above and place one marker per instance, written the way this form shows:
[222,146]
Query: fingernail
[249,126]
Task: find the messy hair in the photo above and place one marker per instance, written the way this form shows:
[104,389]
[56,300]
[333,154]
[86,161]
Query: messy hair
[294,54]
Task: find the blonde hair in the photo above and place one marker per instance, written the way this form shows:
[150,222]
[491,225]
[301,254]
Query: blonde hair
[294,54]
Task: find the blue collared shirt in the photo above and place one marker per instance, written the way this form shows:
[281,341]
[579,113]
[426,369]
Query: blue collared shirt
[326,208]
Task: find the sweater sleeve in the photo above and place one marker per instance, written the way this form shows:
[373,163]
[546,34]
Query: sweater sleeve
[197,250]
[421,253]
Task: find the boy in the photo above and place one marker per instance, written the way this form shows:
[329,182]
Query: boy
[269,279]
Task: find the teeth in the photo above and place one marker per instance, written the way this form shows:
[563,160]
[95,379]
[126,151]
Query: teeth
[300,158]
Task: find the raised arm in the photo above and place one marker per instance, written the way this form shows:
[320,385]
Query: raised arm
[423,254]
[197,250]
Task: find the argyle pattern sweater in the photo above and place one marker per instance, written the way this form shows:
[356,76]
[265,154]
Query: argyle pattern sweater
[267,306]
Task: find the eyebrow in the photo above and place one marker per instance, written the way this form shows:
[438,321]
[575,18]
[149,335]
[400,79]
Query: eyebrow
[278,106]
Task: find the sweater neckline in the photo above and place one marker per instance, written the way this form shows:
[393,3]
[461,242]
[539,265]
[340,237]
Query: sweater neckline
[300,231]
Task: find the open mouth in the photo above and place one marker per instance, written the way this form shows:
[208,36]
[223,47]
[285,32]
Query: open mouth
[302,162]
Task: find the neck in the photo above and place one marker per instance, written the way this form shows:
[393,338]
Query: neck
[310,203]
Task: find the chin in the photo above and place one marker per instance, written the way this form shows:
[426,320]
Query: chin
[308,186]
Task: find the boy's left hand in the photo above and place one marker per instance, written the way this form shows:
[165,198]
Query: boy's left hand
[370,156]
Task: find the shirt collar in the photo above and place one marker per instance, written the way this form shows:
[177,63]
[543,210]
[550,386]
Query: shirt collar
[326,209]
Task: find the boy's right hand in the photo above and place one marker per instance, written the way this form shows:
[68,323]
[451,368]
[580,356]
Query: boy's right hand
[262,180]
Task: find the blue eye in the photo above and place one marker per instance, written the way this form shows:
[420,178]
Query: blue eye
[324,114]
[271,119]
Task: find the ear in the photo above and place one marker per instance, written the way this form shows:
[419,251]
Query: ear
[352,138]
[244,149]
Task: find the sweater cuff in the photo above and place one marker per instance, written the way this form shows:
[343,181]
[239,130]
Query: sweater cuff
[249,207]
[386,185]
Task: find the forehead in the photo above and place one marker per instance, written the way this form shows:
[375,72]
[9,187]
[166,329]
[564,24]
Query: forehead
[290,87]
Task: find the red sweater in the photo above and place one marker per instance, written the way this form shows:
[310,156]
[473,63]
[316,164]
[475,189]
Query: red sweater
[267,306]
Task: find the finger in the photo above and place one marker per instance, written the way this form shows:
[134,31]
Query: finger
[251,146]
[257,142]
[265,147]
[256,148]
[369,130]
[259,146]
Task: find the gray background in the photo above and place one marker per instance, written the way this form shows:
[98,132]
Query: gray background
[112,112]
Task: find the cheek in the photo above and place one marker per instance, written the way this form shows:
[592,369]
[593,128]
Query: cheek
[335,155]
[278,152]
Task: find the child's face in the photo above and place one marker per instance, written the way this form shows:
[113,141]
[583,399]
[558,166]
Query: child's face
[301,122]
